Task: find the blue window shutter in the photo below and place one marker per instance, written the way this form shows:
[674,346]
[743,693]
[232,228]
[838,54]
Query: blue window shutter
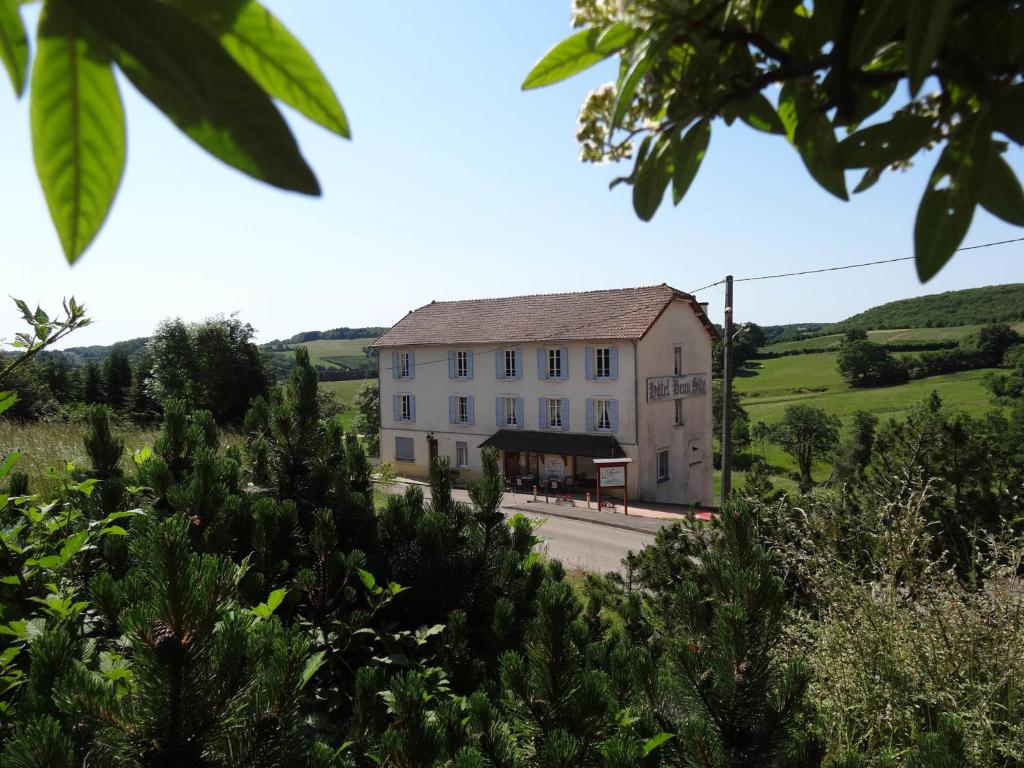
[394,365]
[469,365]
[451,363]
[615,415]
[452,403]
[542,412]
[590,415]
[412,365]
[499,363]
[565,412]
[396,407]
[497,412]
[470,410]
[520,412]
[613,358]
[589,351]
[565,363]
[542,360]
[412,407]
[519,362]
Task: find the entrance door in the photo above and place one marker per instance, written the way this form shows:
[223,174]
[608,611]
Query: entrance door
[432,446]
[511,464]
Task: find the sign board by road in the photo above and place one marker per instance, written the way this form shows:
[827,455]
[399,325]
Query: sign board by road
[613,477]
[675,387]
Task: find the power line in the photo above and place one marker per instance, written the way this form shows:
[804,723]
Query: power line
[590,322]
[854,266]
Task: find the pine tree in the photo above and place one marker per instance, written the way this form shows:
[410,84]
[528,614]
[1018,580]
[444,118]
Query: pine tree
[92,384]
[212,685]
[117,378]
[744,707]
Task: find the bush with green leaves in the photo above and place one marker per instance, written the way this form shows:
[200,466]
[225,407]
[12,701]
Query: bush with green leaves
[835,64]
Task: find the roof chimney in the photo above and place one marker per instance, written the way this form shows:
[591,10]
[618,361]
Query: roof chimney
[704,307]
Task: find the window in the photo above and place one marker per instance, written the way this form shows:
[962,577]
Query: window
[462,365]
[404,365]
[508,411]
[677,367]
[404,449]
[462,409]
[603,363]
[679,412]
[405,407]
[554,363]
[462,455]
[510,364]
[663,465]
[603,414]
[554,413]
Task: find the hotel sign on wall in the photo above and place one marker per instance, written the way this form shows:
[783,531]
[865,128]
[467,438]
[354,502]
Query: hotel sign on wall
[675,387]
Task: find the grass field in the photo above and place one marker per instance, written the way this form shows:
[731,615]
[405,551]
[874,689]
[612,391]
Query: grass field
[773,385]
[345,391]
[896,336]
[783,381]
[330,352]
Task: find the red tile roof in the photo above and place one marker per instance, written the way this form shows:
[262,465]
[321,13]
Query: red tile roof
[621,313]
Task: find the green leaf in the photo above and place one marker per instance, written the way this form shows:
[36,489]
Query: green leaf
[886,143]
[758,112]
[7,399]
[272,56]
[656,741]
[313,663]
[274,600]
[1008,112]
[926,27]
[78,130]
[687,155]
[878,21]
[869,179]
[816,141]
[368,581]
[578,52]
[628,81]
[652,178]
[947,206]
[193,80]
[12,458]
[72,545]
[13,44]
[1001,193]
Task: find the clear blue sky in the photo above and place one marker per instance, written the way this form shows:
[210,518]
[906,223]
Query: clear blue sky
[456,185]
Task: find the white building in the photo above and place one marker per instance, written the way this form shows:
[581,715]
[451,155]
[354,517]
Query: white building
[554,381]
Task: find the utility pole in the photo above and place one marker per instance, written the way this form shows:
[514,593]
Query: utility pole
[727,394]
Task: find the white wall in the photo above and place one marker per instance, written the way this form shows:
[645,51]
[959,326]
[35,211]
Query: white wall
[431,388]
[690,472]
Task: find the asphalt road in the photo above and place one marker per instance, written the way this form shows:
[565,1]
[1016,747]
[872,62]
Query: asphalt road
[586,546]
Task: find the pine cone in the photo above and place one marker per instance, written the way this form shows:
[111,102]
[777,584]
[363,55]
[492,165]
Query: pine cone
[167,644]
[705,680]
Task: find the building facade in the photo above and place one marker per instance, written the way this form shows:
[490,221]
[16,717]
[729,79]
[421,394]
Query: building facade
[554,381]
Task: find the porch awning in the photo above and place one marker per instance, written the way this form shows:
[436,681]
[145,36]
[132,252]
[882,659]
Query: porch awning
[554,442]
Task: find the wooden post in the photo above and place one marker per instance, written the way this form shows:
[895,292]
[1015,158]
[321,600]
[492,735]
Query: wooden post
[598,489]
[625,488]
[727,394]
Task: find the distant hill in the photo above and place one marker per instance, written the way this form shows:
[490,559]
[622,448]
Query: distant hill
[97,353]
[972,306]
[371,332]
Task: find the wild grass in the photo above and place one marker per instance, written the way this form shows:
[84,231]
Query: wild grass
[326,351]
[44,447]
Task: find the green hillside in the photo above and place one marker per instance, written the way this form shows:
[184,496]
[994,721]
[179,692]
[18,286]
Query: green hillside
[890,336]
[772,385]
[972,306]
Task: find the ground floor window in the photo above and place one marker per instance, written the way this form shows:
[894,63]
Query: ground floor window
[404,449]
[663,465]
[679,412]
[461,455]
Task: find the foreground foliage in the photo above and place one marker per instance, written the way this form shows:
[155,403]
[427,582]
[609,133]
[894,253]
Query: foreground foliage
[683,65]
